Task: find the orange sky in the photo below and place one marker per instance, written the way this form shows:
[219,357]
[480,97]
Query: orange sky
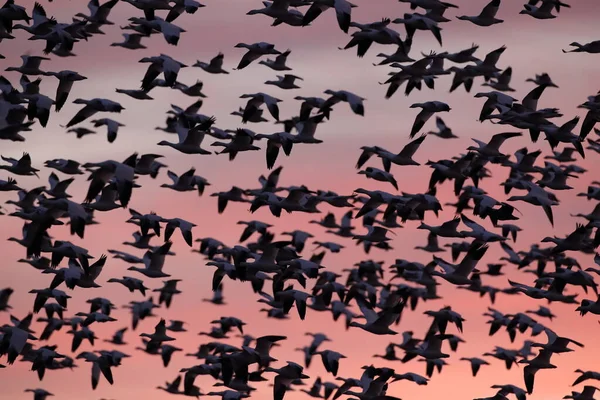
[533,47]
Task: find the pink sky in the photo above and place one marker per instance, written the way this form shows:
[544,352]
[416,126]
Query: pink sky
[533,47]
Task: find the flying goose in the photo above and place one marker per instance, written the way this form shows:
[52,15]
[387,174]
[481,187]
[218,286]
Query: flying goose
[154,261]
[355,102]
[591,47]
[427,110]
[279,63]
[92,107]
[21,166]
[286,81]
[190,139]
[343,11]
[69,167]
[542,12]
[487,16]
[131,41]
[30,66]
[255,101]
[541,361]
[255,51]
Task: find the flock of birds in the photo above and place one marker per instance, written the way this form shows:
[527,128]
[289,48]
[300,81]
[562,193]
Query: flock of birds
[368,297]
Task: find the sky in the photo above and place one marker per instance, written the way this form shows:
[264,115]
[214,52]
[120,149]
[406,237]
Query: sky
[533,47]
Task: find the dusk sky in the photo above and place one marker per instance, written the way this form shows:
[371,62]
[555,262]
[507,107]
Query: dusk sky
[533,47]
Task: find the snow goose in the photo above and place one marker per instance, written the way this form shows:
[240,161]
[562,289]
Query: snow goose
[539,197]
[214,66]
[447,229]
[98,13]
[57,187]
[543,312]
[277,9]
[92,107]
[194,90]
[284,378]
[171,32]
[443,131]
[364,38]
[399,56]
[172,387]
[81,131]
[242,140]
[404,157]
[378,323]
[556,344]
[39,107]
[428,4]
[343,11]
[147,165]
[140,241]
[556,3]
[333,247]
[487,16]
[255,101]
[107,199]
[69,167]
[586,394]
[366,154]
[542,80]
[66,79]
[190,140]
[132,284]
[230,395]
[255,51]
[459,274]
[379,175]
[164,64]
[112,127]
[150,6]
[432,244]
[542,12]
[131,41]
[255,117]
[123,174]
[4,298]
[286,81]
[279,63]
[355,102]
[586,375]
[21,166]
[591,47]
[476,363]
[541,361]
[234,194]
[30,66]
[138,94]
[415,21]
[491,150]
[41,23]
[39,394]
[189,6]
[146,221]
[183,183]
[427,110]
[185,227]
[252,227]
[307,130]
[330,360]
[154,261]
[275,141]
[299,239]
[502,82]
